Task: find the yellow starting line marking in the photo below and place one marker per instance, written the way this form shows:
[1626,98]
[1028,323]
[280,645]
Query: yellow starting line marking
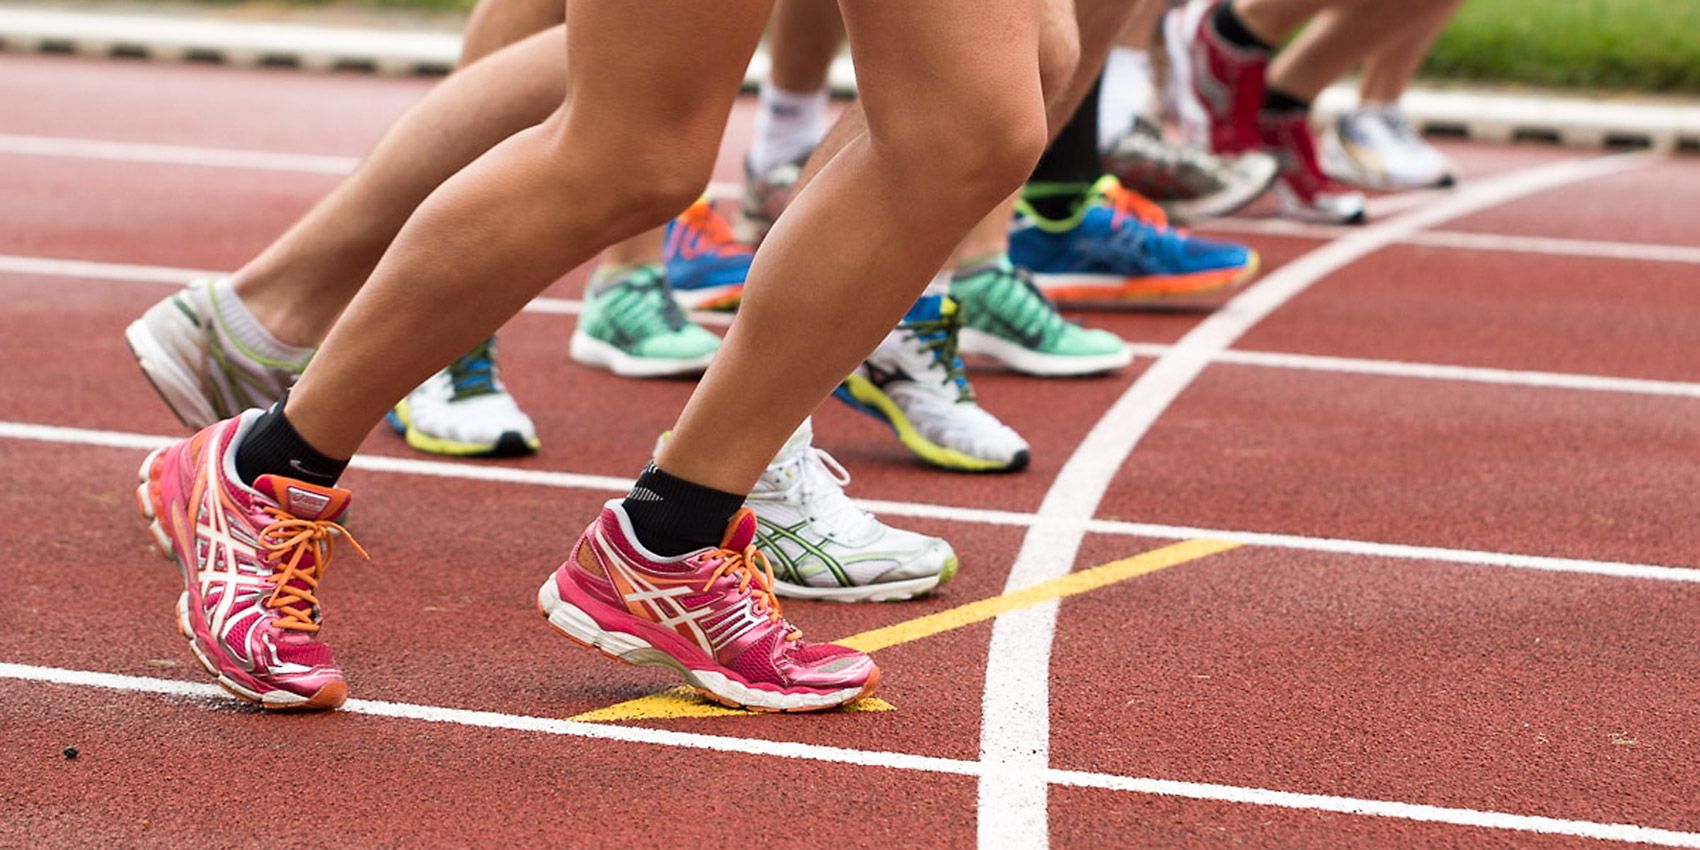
[683,702]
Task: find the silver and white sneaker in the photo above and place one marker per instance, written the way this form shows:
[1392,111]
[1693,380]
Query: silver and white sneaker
[1189,184]
[465,411]
[916,384]
[1376,148]
[765,195]
[196,362]
[822,546]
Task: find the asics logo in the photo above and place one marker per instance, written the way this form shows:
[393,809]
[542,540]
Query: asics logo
[711,628]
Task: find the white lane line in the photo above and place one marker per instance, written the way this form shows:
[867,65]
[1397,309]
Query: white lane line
[54,434]
[128,273]
[82,269]
[891,760]
[145,152]
[1015,709]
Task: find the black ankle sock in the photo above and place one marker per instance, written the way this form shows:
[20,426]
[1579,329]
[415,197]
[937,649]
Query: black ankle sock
[1275,100]
[672,516]
[1070,164]
[272,447]
[1233,30]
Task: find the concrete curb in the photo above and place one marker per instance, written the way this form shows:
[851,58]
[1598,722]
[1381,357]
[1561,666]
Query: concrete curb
[1474,113]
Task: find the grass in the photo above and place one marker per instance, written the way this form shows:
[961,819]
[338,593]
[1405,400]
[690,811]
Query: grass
[1635,45]
[1626,45]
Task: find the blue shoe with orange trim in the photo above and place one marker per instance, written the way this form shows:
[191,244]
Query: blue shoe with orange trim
[1119,246]
[706,264]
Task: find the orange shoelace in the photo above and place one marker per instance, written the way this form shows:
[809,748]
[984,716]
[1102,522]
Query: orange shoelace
[1127,202]
[715,230]
[743,565]
[286,541]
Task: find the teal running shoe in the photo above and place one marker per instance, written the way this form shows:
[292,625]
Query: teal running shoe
[633,328]
[1006,318]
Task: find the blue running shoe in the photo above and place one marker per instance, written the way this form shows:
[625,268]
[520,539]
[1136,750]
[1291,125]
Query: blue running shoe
[706,265]
[1119,246]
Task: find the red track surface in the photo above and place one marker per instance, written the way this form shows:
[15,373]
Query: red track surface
[1569,695]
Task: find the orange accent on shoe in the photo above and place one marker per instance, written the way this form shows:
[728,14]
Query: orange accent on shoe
[286,540]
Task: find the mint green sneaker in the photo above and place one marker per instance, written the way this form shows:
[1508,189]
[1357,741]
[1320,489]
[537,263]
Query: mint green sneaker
[633,328]
[1005,317]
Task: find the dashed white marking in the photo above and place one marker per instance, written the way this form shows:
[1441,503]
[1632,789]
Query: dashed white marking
[1015,731]
[646,736]
[111,151]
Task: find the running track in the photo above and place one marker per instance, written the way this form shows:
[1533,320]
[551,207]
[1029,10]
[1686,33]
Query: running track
[1438,475]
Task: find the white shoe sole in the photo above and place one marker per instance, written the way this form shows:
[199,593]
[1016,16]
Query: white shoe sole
[591,351]
[572,621]
[161,362]
[1229,200]
[1030,362]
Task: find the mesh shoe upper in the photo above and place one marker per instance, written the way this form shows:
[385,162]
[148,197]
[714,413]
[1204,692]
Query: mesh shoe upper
[1115,233]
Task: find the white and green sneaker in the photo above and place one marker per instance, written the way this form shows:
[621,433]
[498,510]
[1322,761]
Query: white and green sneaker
[1006,318]
[824,547]
[466,411]
[632,327]
[204,363]
[916,384]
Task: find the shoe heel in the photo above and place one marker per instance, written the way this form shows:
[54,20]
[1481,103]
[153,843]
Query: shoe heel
[581,628]
[146,490]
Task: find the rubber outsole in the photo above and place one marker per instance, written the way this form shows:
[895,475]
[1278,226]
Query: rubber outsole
[508,444]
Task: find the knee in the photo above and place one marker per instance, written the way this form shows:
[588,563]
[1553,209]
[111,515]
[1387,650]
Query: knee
[653,176]
[981,155]
[1059,59]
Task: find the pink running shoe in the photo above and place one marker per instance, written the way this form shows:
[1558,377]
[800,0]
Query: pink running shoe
[251,559]
[1304,192]
[1218,86]
[711,615]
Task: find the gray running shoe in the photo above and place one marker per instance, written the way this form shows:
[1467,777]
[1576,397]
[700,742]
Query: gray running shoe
[765,197]
[1190,185]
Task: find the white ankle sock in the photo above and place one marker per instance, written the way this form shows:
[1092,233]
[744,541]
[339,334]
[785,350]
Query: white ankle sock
[246,330]
[788,125]
[1126,93]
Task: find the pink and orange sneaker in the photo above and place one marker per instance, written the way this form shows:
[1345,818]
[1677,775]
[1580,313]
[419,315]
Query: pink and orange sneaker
[711,615]
[251,560]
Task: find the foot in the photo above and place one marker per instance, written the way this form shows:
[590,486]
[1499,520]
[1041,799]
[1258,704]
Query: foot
[1218,86]
[824,547]
[765,195]
[196,363]
[1120,246]
[252,559]
[1376,148]
[1189,184]
[466,411]
[633,328]
[706,264]
[1006,318]
[916,384]
[709,615]
[1303,191]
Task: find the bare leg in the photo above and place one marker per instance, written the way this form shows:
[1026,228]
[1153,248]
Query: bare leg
[1390,70]
[858,221]
[494,235]
[803,39]
[1334,44]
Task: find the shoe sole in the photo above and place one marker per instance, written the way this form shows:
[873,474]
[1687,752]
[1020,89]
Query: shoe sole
[328,697]
[715,298]
[177,387]
[509,444]
[1075,288]
[579,627]
[890,591]
[1029,362]
[591,351]
[1226,202]
[861,394]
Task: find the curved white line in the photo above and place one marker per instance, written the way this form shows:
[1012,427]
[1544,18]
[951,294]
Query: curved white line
[1015,727]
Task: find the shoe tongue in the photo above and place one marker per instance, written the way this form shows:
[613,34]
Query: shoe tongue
[303,500]
[740,532]
[927,308]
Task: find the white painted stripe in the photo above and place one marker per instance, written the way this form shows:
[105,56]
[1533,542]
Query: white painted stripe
[889,760]
[951,513]
[1015,711]
[125,273]
[205,157]
[82,269]
[1559,247]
